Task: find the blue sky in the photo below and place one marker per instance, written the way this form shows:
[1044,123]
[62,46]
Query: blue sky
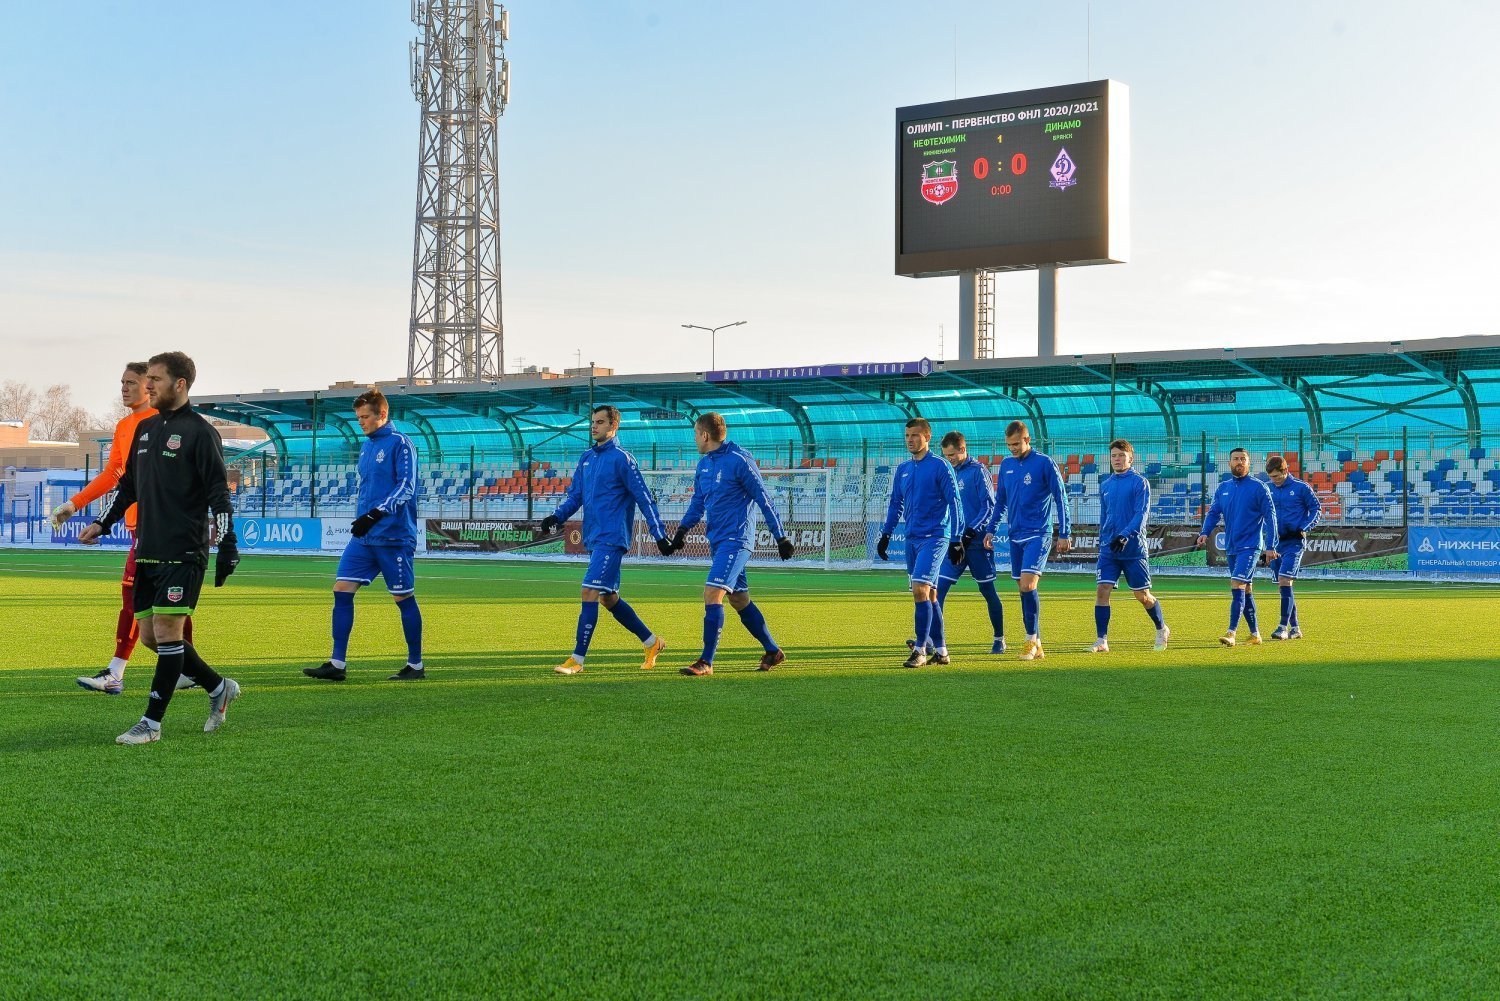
[238,181]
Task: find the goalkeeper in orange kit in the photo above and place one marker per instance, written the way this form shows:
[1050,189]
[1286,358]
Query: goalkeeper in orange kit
[111,680]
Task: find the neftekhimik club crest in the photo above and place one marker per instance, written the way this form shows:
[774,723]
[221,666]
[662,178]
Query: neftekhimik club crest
[174,442]
[174,594]
[1063,169]
[939,181]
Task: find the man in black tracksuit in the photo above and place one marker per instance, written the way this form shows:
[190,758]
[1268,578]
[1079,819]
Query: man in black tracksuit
[175,471]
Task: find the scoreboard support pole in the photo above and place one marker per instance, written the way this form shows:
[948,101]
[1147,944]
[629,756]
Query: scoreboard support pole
[968,315]
[1046,311]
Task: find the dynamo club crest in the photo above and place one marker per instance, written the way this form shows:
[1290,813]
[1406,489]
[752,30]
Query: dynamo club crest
[1063,169]
[939,181]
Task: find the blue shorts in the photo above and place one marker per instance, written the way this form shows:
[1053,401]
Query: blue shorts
[726,569]
[1242,565]
[363,561]
[1030,555]
[1288,562]
[603,574]
[979,561]
[1135,568]
[923,557]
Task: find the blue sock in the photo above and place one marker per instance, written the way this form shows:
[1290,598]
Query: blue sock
[924,623]
[755,622]
[1236,606]
[1250,618]
[1295,624]
[939,640]
[625,616]
[1286,605]
[997,610]
[1101,620]
[411,627]
[1155,612]
[588,618]
[343,624]
[944,586]
[1031,613]
[713,625]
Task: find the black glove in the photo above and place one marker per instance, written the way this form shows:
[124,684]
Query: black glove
[970,535]
[365,522]
[679,539]
[1118,543]
[549,525]
[956,552]
[664,545]
[882,546]
[227,560]
[784,548]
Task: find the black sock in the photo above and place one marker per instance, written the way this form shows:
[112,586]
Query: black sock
[164,682]
[194,667]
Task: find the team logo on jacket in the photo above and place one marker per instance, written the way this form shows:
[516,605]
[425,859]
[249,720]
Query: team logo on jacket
[380,455]
[174,442]
[939,181]
[174,594]
[1027,479]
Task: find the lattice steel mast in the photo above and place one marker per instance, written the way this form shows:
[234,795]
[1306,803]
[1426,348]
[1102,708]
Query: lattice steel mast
[461,78]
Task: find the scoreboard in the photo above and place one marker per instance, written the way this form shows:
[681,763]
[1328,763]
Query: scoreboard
[1014,181]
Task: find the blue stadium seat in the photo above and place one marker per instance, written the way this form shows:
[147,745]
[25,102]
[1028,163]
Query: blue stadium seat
[1345,455]
[1477,453]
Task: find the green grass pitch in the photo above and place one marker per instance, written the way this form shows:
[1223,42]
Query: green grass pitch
[1315,819]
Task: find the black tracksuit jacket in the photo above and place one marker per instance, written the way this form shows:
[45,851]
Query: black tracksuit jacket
[175,471]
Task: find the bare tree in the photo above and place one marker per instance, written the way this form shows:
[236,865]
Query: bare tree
[52,413]
[57,418]
[17,401]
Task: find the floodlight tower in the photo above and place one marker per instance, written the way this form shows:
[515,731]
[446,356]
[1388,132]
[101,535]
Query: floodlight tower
[461,78]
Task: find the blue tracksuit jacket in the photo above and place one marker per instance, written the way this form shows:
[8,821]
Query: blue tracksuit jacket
[925,493]
[1297,507]
[1124,506]
[726,486]
[1030,497]
[608,485]
[976,489]
[1248,512]
[388,482]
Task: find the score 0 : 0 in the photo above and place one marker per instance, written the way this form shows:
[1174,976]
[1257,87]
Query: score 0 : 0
[982,167]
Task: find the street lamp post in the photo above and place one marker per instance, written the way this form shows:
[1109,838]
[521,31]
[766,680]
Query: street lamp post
[712,332]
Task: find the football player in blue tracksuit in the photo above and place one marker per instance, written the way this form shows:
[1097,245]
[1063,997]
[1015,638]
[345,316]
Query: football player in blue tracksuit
[1298,510]
[727,487]
[1124,506]
[608,486]
[1249,515]
[976,493]
[1029,497]
[924,493]
[385,538]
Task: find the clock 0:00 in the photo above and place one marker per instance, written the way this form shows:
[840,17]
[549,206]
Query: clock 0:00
[1000,189]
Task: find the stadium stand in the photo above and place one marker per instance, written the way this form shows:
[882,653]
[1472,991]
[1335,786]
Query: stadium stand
[1386,433]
